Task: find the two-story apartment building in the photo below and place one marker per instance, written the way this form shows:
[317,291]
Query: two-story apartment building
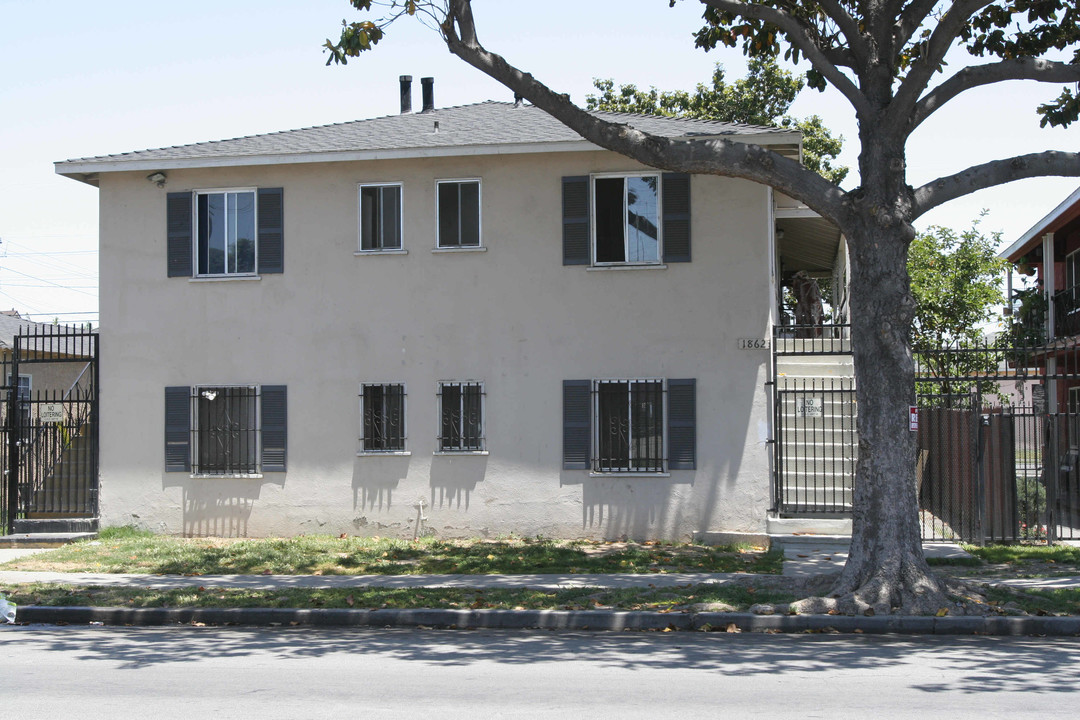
[468,315]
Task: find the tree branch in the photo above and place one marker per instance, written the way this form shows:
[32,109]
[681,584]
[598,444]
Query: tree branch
[801,36]
[705,156]
[991,174]
[910,20]
[928,63]
[839,15]
[977,75]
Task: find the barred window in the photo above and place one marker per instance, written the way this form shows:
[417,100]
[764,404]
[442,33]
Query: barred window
[225,434]
[382,408]
[461,417]
[629,417]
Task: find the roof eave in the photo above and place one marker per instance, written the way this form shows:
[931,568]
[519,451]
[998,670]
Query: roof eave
[87,169]
[1049,223]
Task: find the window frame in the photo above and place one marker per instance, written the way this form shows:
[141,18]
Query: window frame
[195,194]
[360,249]
[197,471]
[404,449]
[481,448]
[439,246]
[594,225]
[595,463]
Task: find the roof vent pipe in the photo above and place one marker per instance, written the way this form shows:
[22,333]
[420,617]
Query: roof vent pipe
[428,88]
[406,94]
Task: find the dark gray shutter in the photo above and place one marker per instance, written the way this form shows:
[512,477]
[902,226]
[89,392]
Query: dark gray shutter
[577,424]
[575,210]
[676,191]
[178,429]
[273,424]
[271,230]
[178,233]
[682,424]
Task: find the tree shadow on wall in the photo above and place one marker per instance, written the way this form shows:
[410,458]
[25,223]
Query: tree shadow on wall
[375,478]
[453,478]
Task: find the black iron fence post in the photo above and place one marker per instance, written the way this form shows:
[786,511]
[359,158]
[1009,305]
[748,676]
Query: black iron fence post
[1051,473]
[14,430]
[982,429]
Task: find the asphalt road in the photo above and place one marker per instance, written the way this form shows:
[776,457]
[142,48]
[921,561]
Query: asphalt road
[160,673]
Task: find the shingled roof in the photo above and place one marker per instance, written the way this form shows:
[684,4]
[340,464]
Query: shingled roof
[482,128]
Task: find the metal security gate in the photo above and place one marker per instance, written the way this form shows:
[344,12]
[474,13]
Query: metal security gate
[998,436]
[814,414]
[50,429]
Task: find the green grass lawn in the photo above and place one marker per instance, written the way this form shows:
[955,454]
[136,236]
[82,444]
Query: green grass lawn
[739,598]
[1023,554]
[125,550]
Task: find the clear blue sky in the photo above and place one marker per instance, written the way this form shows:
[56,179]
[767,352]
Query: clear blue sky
[92,78]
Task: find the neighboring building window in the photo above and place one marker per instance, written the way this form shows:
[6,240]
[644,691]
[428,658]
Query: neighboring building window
[23,394]
[629,425]
[227,430]
[225,232]
[627,219]
[461,416]
[380,217]
[1072,271]
[24,386]
[458,213]
[382,408]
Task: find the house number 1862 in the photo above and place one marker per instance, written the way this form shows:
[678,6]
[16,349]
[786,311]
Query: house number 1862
[753,343]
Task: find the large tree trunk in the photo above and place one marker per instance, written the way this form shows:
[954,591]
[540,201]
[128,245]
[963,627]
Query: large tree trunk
[886,569]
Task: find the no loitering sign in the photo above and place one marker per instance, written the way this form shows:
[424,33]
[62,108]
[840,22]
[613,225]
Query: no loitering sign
[51,412]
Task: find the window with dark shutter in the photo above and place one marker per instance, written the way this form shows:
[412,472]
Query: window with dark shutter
[682,424]
[575,204]
[274,441]
[178,428]
[577,424]
[676,217]
[178,234]
[271,230]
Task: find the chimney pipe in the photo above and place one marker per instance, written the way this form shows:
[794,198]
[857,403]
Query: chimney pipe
[428,89]
[406,94]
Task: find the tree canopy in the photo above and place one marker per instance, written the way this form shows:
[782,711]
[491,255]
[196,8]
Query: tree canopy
[887,59]
[763,97]
[956,281]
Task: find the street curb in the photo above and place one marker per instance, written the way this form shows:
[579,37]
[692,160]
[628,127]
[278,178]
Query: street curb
[595,620]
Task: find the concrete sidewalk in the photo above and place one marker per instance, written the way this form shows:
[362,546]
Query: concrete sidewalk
[804,557]
[271,582]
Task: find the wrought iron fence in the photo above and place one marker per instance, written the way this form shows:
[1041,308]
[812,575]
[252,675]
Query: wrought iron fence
[998,439]
[50,429]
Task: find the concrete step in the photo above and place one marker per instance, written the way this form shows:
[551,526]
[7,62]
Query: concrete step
[827,343]
[808,498]
[818,466]
[69,525]
[829,445]
[827,527]
[44,540]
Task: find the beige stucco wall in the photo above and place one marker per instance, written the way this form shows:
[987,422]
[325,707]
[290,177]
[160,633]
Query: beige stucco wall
[513,317]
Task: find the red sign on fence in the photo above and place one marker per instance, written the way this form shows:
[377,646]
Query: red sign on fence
[913,418]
